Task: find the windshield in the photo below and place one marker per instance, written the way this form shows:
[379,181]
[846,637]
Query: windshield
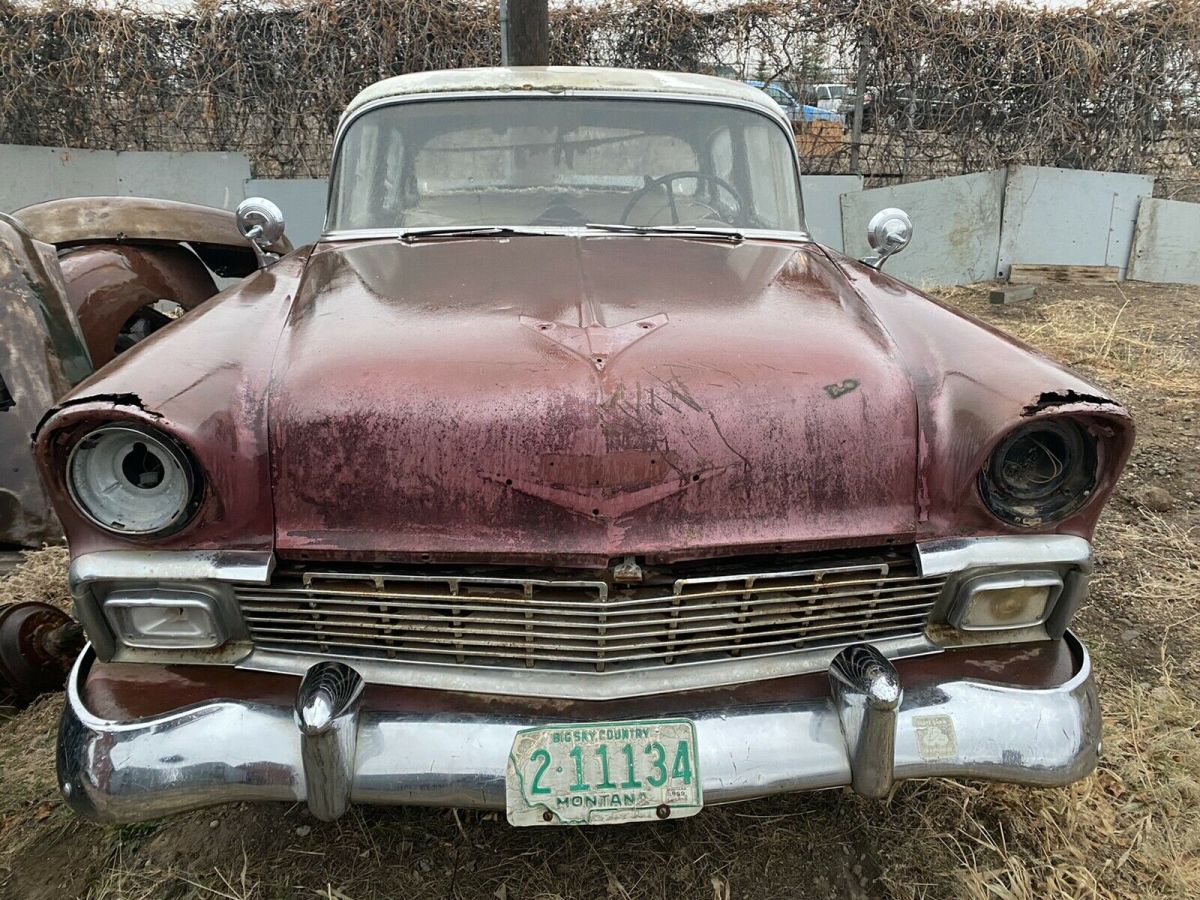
[564,161]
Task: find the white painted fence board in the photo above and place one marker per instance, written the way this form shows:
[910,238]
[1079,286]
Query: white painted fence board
[210,179]
[1069,217]
[1166,242]
[34,174]
[956,227]
[302,201]
[823,205]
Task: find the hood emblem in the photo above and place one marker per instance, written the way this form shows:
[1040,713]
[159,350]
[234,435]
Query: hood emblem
[596,343]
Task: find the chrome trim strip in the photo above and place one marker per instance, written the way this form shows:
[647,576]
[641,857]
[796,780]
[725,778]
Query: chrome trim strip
[228,751]
[750,234]
[945,557]
[771,115]
[681,676]
[236,566]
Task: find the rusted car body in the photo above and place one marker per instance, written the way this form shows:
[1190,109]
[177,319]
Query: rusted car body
[90,270]
[590,519]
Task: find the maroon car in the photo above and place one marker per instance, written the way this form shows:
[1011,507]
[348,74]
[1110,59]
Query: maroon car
[567,475]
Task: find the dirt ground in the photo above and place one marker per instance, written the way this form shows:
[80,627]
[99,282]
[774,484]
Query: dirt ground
[1130,830]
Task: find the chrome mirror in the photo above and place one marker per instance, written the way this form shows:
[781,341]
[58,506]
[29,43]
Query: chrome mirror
[261,223]
[888,232]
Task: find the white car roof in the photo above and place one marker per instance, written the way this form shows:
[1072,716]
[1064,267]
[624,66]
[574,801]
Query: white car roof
[557,79]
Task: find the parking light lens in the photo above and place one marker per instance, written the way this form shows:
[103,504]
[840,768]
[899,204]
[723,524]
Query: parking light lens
[1010,601]
[172,619]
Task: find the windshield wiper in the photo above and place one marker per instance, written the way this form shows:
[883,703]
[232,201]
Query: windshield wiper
[713,234]
[453,231]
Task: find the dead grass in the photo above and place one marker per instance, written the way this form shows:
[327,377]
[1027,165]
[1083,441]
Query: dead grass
[1111,333]
[1132,830]
[42,575]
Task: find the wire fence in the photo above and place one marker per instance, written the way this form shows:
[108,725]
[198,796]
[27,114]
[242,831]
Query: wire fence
[946,87]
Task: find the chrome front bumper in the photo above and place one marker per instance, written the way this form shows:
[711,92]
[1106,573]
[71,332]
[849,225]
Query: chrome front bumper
[329,751]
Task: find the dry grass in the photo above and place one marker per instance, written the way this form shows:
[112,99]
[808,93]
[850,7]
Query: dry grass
[1113,336]
[41,576]
[1132,830]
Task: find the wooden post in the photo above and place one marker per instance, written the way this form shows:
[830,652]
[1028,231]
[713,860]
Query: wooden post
[529,32]
[860,88]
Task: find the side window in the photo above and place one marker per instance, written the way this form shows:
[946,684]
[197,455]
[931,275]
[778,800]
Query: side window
[769,167]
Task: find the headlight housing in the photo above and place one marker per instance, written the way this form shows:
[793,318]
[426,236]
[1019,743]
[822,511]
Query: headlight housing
[1042,471]
[132,480]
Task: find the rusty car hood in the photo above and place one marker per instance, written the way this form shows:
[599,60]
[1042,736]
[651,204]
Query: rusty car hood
[579,398]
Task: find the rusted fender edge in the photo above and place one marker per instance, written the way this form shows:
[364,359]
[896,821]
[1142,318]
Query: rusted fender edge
[212,233]
[131,400]
[1069,400]
[80,220]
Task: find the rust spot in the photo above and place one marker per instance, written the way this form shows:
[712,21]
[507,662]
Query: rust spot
[841,388]
[1051,399]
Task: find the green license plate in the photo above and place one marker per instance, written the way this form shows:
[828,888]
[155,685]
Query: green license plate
[601,773]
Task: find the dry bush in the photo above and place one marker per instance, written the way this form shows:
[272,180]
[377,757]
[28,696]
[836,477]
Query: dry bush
[1112,85]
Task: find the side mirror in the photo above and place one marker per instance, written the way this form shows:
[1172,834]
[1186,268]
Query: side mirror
[261,223]
[888,232]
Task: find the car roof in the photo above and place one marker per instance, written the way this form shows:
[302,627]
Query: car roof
[560,79]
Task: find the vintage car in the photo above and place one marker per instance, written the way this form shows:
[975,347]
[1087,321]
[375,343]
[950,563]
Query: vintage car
[566,475]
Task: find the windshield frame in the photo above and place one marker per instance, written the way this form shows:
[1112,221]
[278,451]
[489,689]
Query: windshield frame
[771,115]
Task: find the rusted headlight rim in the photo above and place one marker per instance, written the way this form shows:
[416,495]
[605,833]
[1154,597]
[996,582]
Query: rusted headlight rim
[1026,506]
[175,450]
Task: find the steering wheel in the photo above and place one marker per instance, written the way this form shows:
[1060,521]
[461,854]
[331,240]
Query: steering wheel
[669,179]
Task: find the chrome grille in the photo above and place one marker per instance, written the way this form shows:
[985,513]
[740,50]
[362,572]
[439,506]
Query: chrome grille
[497,620]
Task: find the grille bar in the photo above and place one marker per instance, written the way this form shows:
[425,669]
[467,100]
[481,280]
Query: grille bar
[552,641]
[344,647]
[588,625]
[573,619]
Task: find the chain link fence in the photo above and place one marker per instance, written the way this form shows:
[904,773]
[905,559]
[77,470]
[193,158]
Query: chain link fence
[945,87]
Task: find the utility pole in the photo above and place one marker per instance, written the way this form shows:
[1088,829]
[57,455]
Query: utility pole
[528,32]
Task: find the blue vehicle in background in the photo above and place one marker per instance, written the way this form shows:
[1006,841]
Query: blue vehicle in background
[793,108]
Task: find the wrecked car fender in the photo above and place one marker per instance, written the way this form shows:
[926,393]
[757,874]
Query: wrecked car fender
[212,233]
[42,354]
[203,381]
[109,284]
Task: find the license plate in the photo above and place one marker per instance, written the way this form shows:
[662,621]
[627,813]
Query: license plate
[602,773]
